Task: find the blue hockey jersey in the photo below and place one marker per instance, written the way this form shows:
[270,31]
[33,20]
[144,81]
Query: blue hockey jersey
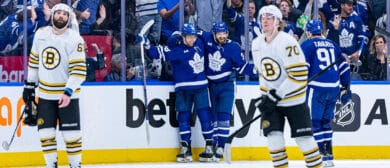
[187,64]
[11,33]
[221,60]
[320,53]
[238,21]
[350,35]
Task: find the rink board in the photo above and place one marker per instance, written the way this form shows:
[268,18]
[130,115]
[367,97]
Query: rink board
[114,127]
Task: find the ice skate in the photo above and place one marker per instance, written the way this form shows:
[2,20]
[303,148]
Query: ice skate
[328,161]
[218,154]
[208,154]
[185,154]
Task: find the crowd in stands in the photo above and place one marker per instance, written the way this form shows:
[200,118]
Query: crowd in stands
[352,25]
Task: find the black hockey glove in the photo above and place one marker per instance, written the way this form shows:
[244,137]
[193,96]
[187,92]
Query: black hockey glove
[268,102]
[31,113]
[346,95]
[29,92]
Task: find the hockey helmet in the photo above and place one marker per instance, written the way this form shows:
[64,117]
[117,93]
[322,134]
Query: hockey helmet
[219,26]
[271,9]
[60,6]
[189,29]
[314,27]
[348,1]
[63,7]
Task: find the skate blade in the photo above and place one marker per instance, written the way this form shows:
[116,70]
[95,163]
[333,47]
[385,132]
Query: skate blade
[206,159]
[184,160]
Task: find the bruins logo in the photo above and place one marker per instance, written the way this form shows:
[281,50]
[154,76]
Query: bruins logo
[265,124]
[270,69]
[40,121]
[51,58]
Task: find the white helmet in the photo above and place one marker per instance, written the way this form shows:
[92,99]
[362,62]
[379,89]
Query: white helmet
[60,6]
[63,7]
[271,9]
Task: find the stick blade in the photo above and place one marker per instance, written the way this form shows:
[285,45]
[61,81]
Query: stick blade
[228,153]
[5,145]
[146,27]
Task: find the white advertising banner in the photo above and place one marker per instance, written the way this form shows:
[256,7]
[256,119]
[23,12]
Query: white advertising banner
[112,118]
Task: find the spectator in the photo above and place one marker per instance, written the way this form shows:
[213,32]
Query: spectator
[290,26]
[11,29]
[91,6]
[169,11]
[116,69]
[237,19]
[208,12]
[94,63]
[375,63]
[348,31]
[146,10]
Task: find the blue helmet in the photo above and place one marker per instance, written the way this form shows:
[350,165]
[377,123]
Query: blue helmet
[219,26]
[189,29]
[314,27]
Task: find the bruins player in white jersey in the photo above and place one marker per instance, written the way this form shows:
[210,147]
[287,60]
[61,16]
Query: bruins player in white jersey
[57,65]
[283,80]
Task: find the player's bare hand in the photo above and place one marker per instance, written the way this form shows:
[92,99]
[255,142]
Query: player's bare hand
[64,101]
[355,56]
[336,22]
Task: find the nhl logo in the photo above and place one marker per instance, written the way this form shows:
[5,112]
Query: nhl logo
[347,117]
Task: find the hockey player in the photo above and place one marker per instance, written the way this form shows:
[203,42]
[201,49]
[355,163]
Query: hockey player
[190,82]
[223,59]
[324,91]
[57,63]
[283,79]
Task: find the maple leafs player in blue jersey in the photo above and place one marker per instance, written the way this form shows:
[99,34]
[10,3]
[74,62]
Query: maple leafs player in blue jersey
[190,82]
[223,59]
[324,91]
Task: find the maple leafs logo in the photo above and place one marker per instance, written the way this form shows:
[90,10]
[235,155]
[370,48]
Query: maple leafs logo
[345,39]
[216,61]
[197,64]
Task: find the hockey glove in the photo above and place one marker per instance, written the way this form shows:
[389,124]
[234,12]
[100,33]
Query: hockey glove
[174,40]
[29,92]
[268,102]
[346,95]
[31,113]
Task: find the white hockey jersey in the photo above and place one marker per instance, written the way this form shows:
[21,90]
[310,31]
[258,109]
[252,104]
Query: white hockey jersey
[57,62]
[282,67]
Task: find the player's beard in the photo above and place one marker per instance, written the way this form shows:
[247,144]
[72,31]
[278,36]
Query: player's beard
[59,24]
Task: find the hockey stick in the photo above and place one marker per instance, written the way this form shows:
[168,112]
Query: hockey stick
[142,33]
[229,140]
[6,144]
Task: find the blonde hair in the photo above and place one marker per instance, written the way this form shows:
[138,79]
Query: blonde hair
[373,40]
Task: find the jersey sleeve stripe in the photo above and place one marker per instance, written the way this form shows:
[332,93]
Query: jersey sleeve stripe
[80,68]
[302,64]
[78,75]
[34,54]
[74,61]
